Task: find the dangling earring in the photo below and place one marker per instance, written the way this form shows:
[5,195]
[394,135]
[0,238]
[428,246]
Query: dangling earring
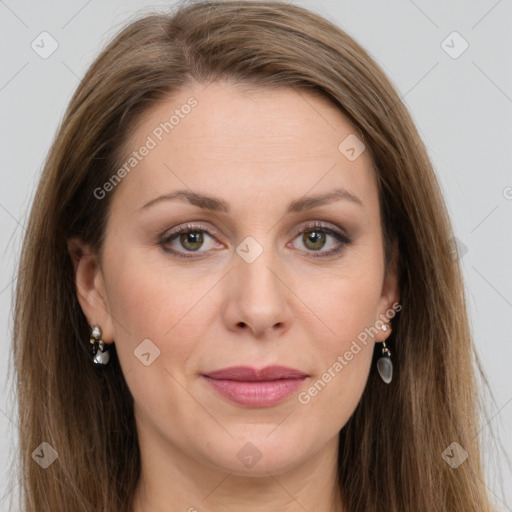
[99,349]
[384,364]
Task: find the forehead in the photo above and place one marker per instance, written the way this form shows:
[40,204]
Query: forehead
[229,141]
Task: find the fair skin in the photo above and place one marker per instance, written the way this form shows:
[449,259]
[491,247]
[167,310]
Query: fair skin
[258,152]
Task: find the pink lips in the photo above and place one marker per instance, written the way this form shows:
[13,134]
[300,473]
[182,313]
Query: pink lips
[256,388]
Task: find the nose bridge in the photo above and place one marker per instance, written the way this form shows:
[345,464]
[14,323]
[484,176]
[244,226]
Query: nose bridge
[257,294]
[257,266]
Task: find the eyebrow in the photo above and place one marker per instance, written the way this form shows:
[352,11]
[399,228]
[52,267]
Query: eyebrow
[219,205]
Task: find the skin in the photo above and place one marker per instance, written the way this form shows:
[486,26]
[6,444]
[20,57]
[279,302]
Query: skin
[258,151]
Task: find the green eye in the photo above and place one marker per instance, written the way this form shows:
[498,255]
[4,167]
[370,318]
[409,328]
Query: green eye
[315,236]
[192,238]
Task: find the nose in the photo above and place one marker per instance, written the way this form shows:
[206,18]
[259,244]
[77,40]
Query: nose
[256,297]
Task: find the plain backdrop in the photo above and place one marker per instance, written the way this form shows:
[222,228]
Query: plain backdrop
[458,88]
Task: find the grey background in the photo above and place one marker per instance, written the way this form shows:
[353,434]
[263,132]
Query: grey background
[462,107]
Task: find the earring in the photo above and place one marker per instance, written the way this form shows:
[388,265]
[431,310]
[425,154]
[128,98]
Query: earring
[99,349]
[384,364]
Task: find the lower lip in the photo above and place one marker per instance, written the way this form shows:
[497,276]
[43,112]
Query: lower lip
[256,393]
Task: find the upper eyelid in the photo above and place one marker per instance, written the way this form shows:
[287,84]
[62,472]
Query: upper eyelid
[192,226]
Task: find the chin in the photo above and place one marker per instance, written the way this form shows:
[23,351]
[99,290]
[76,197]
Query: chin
[261,453]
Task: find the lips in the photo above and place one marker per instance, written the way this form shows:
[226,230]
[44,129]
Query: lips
[256,388]
[248,374]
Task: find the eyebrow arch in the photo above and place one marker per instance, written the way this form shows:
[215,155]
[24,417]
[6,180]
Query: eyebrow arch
[219,205]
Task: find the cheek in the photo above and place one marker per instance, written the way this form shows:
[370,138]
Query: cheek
[153,314]
[350,313]
[146,303]
[343,356]
[332,397]
[347,305]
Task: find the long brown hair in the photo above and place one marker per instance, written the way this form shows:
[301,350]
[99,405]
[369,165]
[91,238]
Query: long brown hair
[390,456]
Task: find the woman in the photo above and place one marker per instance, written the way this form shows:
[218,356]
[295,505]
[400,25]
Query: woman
[237,289]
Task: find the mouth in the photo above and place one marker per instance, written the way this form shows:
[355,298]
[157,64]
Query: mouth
[256,388]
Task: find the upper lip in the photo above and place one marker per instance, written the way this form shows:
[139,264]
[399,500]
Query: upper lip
[246,373]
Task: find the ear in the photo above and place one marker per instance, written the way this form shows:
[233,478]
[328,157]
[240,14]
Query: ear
[90,287]
[390,296]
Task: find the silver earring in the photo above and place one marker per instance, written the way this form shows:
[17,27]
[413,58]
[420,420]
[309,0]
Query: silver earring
[384,364]
[99,347]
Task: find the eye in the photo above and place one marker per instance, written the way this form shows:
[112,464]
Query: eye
[314,237]
[189,237]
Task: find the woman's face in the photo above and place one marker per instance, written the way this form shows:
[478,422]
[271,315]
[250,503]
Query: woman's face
[242,286]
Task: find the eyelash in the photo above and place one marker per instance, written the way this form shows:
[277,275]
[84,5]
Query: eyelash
[192,228]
